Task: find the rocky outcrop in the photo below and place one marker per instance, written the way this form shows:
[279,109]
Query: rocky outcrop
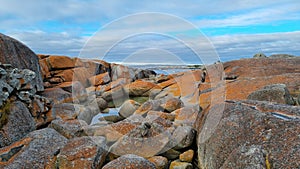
[249,135]
[20,56]
[37,150]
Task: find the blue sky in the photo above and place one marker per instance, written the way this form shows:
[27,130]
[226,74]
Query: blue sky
[235,29]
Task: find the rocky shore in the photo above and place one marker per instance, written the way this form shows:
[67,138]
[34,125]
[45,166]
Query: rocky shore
[238,114]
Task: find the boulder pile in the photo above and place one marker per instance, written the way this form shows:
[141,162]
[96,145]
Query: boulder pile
[76,113]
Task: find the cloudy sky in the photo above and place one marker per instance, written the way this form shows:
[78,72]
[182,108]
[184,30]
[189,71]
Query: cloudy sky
[154,31]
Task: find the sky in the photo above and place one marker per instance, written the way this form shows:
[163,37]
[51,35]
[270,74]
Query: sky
[155,31]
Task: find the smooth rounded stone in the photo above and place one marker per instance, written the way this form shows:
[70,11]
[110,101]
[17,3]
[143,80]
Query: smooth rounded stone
[111,118]
[128,108]
[130,161]
[180,165]
[187,156]
[82,152]
[37,150]
[20,56]
[16,122]
[102,104]
[172,104]
[277,93]
[69,128]
[259,55]
[160,162]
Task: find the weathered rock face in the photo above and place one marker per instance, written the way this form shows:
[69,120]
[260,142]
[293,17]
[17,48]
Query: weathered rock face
[251,134]
[83,152]
[19,56]
[37,150]
[18,123]
[277,93]
[130,161]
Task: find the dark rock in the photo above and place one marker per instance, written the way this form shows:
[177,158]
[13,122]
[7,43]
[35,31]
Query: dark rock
[20,56]
[18,123]
[277,93]
[259,55]
[37,150]
[130,161]
[83,152]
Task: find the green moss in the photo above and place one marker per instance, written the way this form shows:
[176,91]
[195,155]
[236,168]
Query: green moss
[4,113]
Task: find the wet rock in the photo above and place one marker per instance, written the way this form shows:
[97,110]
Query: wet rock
[277,93]
[160,162]
[69,128]
[34,151]
[83,152]
[180,165]
[130,161]
[187,156]
[100,79]
[16,122]
[245,131]
[128,108]
[18,55]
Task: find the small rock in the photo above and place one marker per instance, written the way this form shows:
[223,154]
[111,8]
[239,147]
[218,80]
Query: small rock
[100,79]
[160,162]
[102,104]
[68,128]
[172,104]
[180,165]
[259,55]
[129,161]
[187,156]
[128,108]
[171,154]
